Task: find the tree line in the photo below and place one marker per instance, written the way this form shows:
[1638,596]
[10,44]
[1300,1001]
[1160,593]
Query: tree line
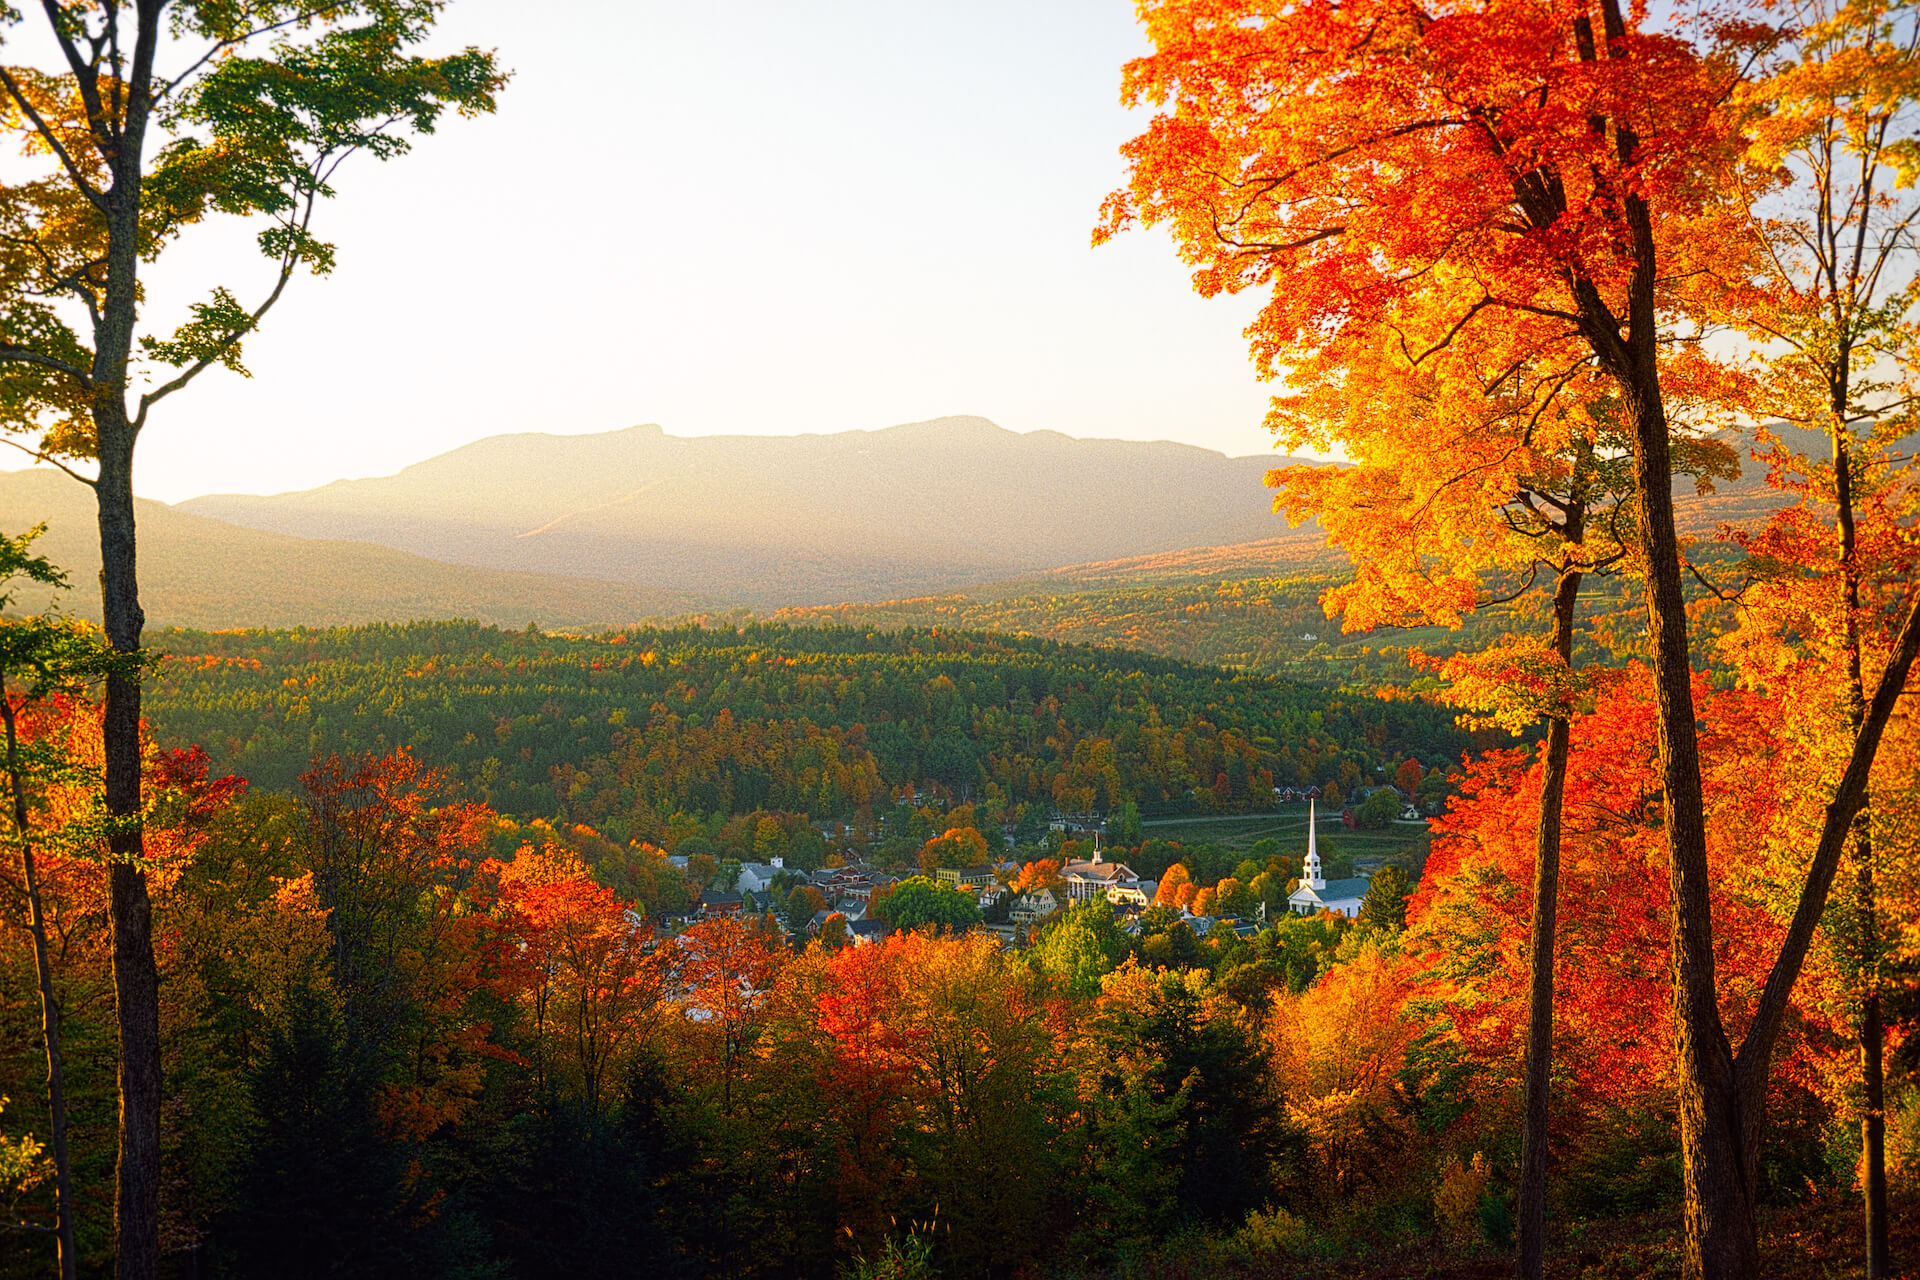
[624,730]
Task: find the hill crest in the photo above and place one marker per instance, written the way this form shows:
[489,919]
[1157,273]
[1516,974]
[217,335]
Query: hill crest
[771,521]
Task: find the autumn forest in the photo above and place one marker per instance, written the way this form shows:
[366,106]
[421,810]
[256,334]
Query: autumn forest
[1510,865]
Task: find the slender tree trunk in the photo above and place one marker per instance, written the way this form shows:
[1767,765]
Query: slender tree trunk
[1722,1098]
[1546,891]
[1873,1152]
[1721,1238]
[49,1006]
[136,980]
[1873,1120]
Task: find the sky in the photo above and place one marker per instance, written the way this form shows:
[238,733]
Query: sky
[756,218]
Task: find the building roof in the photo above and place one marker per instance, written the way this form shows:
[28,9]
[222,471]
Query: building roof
[1107,872]
[1336,890]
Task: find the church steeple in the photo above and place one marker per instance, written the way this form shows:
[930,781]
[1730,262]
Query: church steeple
[1312,879]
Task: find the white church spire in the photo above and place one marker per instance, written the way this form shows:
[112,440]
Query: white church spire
[1312,879]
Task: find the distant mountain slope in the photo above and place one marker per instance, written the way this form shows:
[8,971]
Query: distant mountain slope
[1256,605]
[196,572]
[788,520]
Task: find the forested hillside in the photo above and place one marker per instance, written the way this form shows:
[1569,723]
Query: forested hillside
[625,729]
[1267,625]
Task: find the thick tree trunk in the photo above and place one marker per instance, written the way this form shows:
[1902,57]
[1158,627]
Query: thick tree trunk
[1721,1237]
[49,1007]
[1535,1110]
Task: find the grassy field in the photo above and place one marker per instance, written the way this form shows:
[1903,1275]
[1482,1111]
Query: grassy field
[1404,843]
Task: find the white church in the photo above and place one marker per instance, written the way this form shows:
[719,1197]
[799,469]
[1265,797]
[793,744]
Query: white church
[1316,893]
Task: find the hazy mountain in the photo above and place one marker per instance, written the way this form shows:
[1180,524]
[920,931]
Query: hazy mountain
[784,520]
[196,572]
[957,509]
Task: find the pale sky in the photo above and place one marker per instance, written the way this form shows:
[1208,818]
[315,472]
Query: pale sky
[748,218]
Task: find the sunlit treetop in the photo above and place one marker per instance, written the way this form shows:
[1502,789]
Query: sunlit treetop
[152,119]
[1436,173]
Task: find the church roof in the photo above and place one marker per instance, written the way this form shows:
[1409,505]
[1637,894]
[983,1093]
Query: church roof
[1108,872]
[1337,890]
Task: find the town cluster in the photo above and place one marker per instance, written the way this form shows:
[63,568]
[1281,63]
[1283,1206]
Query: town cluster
[851,890]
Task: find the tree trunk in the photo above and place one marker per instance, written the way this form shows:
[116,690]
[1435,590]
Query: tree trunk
[1721,1237]
[49,1007]
[1532,1213]
[136,981]
[1873,1148]
[1873,1120]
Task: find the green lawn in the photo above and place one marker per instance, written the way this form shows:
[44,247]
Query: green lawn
[1404,843]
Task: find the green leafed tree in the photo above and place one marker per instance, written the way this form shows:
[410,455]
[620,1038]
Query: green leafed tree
[1379,809]
[1082,947]
[918,903]
[801,905]
[1385,906]
[148,118]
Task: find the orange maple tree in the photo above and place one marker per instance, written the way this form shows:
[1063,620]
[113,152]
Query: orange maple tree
[586,968]
[1550,190]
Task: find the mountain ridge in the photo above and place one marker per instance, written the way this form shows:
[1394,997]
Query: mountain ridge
[769,521]
[204,573]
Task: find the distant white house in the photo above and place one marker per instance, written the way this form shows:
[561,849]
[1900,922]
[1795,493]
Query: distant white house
[1316,893]
[1096,878]
[756,877]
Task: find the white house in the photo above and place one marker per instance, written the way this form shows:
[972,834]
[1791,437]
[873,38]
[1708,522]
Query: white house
[1316,893]
[755,877]
[1096,878]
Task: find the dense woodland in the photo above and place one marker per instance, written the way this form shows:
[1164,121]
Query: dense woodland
[623,731]
[469,1056]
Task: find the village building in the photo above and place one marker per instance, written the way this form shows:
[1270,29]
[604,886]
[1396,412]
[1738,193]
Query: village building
[1096,878]
[720,904]
[757,877]
[1316,893]
[1034,904]
[974,878]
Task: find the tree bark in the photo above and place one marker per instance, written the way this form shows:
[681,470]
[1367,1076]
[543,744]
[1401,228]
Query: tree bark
[1873,1147]
[49,1007]
[1873,1119]
[1535,1110]
[1721,1235]
[1721,1238]
[136,980]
